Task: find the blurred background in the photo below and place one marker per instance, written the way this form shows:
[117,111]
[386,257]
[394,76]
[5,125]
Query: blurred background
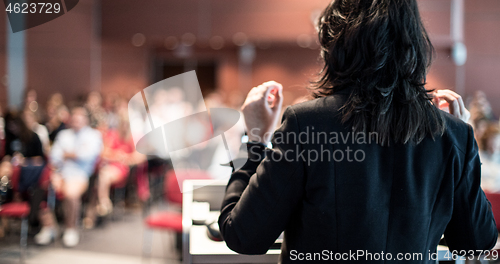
[124,46]
[104,52]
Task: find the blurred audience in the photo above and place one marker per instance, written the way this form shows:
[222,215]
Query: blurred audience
[24,150]
[97,115]
[31,104]
[487,134]
[110,106]
[481,113]
[117,157]
[490,158]
[57,116]
[480,107]
[31,121]
[21,143]
[73,156]
[96,139]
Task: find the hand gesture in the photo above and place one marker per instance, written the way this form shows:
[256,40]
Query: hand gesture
[261,110]
[453,101]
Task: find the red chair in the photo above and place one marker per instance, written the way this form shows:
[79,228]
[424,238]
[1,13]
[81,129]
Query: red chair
[119,188]
[142,182]
[18,210]
[174,181]
[171,220]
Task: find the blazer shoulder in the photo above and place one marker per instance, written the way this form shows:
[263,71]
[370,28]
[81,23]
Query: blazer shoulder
[317,107]
[457,131]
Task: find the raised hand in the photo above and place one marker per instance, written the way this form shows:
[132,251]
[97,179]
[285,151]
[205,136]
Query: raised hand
[261,110]
[453,101]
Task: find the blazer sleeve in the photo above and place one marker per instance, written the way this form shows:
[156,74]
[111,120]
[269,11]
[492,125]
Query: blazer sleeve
[472,226]
[261,197]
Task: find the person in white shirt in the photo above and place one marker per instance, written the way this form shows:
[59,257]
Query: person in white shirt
[73,156]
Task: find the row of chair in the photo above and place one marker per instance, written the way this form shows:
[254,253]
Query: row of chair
[170,220]
[21,209]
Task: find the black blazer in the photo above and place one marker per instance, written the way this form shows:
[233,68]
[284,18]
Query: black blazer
[373,199]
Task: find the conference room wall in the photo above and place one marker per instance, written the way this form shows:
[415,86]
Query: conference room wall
[59,52]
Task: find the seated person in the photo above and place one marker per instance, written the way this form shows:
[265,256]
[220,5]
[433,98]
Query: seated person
[490,158]
[57,116]
[22,145]
[118,156]
[31,121]
[73,156]
[23,148]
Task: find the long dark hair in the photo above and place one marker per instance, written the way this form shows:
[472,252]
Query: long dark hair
[380,51]
[15,127]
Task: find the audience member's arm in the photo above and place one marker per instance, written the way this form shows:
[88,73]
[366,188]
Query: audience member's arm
[57,151]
